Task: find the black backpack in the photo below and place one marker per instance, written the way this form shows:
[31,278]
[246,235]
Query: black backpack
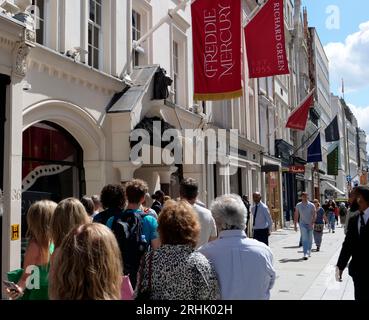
[127,228]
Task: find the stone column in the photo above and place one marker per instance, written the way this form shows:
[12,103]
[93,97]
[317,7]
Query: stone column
[126,169]
[11,242]
[165,177]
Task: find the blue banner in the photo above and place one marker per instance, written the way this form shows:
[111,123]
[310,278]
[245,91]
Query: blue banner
[315,151]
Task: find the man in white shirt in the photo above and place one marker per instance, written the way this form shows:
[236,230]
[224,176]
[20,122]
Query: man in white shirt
[189,191]
[262,223]
[244,266]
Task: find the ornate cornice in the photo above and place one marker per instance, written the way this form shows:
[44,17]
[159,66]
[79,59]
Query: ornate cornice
[73,78]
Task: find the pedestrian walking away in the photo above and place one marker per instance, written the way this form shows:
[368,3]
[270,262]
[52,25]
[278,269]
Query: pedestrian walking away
[331,215]
[356,248]
[342,214]
[37,254]
[87,266]
[189,191]
[319,224]
[263,223]
[176,271]
[136,232]
[244,266]
[306,211]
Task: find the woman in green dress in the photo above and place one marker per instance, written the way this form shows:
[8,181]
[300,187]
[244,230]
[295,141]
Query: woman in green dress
[32,280]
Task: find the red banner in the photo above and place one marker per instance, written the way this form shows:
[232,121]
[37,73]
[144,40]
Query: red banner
[299,117]
[216,32]
[265,42]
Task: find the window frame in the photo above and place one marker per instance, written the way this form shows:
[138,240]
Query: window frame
[91,46]
[136,35]
[38,20]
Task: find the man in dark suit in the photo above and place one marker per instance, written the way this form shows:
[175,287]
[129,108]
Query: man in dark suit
[356,247]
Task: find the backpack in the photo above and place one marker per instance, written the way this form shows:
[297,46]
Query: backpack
[128,231]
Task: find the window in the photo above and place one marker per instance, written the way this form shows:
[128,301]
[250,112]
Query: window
[175,71]
[38,12]
[136,34]
[94,33]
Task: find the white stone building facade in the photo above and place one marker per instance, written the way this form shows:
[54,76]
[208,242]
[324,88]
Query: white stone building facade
[70,107]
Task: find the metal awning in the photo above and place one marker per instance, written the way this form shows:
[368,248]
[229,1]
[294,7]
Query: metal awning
[331,186]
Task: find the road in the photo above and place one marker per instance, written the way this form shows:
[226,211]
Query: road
[308,280]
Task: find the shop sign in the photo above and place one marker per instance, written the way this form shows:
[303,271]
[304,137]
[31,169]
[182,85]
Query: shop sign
[297,169]
[15,232]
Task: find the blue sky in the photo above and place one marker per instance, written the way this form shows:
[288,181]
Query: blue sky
[346,42]
[352,13]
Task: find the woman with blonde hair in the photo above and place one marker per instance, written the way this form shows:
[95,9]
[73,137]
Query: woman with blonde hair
[175,271]
[87,266]
[68,214]
[37,254]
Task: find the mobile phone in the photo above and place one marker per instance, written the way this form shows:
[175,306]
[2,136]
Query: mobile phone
[10,285]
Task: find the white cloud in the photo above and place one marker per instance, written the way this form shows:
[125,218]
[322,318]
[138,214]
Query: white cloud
[350,60]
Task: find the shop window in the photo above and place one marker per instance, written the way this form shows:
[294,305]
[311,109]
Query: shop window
[175,71]
[136,35]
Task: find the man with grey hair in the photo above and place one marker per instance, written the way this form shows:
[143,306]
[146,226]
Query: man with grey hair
[244,266]
[263,222]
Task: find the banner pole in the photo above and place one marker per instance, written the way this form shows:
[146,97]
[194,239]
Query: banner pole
[306,141]
[163,20]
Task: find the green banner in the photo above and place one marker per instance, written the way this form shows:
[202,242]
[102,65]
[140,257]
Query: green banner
[332,162]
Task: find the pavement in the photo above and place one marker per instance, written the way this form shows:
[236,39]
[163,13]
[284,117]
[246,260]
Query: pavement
[313,279]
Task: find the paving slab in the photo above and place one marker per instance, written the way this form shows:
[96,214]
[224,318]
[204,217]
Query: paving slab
[313,279]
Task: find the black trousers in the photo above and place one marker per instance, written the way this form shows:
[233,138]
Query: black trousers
[262,235]
[361,289]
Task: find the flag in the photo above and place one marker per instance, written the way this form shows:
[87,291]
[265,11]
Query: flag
[216,33]
[298,118]
[265,42]
[332,162]
[315,151]
[332,132]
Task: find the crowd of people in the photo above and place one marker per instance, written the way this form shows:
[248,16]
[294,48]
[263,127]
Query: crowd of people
[115,246]
[354,217]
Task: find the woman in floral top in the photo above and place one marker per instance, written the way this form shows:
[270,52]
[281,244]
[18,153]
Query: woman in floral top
[176,271]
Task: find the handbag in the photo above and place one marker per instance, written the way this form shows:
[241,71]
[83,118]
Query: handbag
[126,289]
[145,295]
[318,227]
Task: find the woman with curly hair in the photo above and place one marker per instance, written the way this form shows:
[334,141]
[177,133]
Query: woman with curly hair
[88,265]
[175,271]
